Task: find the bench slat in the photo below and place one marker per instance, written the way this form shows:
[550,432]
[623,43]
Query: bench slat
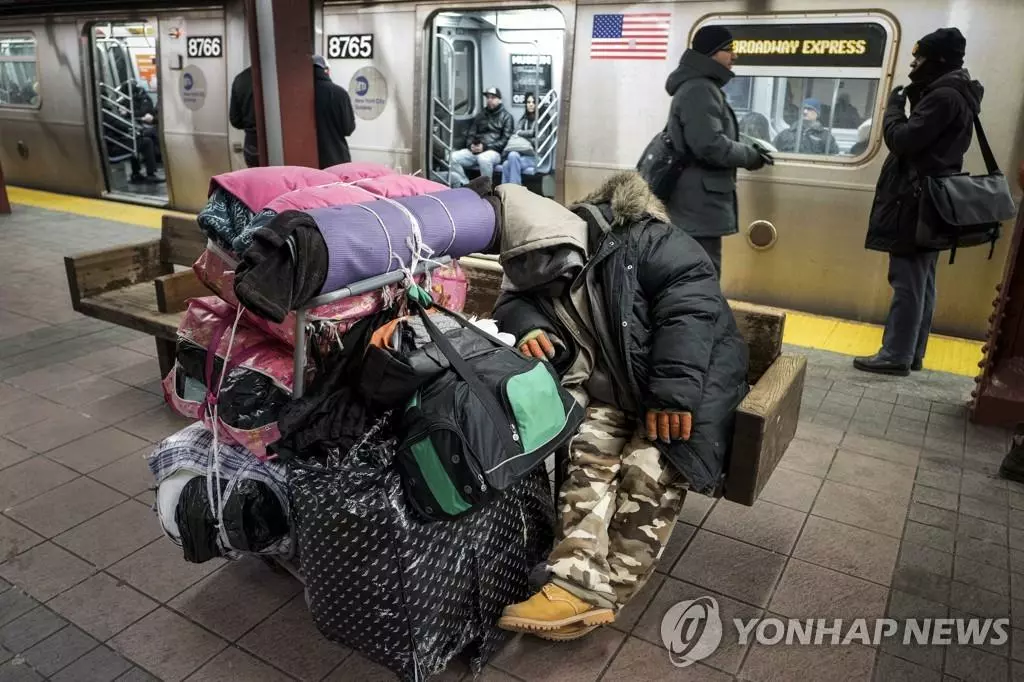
[173,291]
[133,307]
[182,241]
[97,272]
[766,421]
[762,327]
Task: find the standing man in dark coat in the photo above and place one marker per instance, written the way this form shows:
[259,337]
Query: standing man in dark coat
[703,126]
[242,114]
[335,119]
[943,103]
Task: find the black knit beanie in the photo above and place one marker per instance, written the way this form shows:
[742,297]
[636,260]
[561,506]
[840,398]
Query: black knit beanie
[710,39]
[947,44]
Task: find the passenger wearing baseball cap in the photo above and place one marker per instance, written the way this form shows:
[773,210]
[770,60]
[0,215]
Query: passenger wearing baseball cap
[485,140]
[932,141]
[809,135]
[335,119]
[703,128]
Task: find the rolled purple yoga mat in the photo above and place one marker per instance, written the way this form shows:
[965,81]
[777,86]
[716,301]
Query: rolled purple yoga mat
[361,237]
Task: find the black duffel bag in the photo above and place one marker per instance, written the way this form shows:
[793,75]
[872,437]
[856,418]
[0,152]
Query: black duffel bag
[963,210]
[481,425]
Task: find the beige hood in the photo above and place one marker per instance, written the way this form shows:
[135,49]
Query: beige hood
[541,241]
[530,222]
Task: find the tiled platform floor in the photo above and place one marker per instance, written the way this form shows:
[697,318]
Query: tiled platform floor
[885,504]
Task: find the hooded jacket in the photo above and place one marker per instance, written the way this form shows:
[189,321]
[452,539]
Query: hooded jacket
[672,334]
[932,141]
[702,125]
[335,119]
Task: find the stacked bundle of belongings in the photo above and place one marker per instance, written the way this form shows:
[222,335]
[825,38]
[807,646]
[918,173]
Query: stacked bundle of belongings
[408,483]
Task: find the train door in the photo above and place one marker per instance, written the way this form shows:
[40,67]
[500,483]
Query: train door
[194,108]
[127,103]
[372,54]
[236,60]
[517,53]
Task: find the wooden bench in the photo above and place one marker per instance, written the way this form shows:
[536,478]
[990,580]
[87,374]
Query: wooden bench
[766,419]
[135,286]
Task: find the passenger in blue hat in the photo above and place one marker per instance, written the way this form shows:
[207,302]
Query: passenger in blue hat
[813,138]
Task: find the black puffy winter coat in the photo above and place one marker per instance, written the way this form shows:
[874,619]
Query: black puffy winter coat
[676,336]
[492,128]
[933,141]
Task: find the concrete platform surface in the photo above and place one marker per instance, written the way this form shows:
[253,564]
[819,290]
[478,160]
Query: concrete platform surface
[886,505]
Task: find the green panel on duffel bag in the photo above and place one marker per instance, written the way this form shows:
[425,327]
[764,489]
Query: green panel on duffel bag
[537,406]
[436,478]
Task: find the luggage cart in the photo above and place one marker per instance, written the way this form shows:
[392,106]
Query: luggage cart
[354,289]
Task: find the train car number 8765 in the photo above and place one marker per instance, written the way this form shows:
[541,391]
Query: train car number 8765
[350,46]
[205,46]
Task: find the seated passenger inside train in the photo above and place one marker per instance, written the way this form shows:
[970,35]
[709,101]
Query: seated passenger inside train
[814,137]
[485,139]
[754,127]
[863,136]
[520,155]
[143,128]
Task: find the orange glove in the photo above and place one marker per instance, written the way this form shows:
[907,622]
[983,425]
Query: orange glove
[668,425]
[538,345]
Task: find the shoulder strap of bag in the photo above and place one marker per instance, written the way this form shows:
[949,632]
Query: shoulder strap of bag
[466,373]
[986,151]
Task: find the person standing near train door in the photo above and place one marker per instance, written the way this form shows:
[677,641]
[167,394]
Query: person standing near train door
[242,114]
[944,101]
[703,124]
[335,118]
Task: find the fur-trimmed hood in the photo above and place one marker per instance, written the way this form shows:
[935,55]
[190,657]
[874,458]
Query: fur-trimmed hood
[629,199]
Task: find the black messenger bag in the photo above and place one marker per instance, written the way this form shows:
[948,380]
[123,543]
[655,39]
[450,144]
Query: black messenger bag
[963,210]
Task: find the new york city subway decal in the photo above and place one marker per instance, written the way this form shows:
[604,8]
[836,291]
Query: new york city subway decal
[861,44]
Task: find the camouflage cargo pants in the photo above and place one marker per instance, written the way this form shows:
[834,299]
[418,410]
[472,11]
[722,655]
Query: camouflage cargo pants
[617,507]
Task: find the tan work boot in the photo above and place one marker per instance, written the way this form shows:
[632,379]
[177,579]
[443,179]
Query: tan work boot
[554,613]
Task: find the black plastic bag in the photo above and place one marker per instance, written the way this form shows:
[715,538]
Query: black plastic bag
[196,524]
[248,399]
[253,518]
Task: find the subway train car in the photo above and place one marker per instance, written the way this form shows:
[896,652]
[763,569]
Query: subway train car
[597,68]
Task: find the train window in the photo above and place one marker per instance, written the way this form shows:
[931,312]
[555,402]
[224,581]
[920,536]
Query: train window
[515,54]
[808,86]
[19,82]
[456,74]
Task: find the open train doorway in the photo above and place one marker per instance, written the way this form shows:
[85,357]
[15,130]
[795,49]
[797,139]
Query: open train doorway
[495,79]
[127,105]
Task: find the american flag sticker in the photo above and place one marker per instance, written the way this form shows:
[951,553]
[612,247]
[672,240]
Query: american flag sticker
[634,35]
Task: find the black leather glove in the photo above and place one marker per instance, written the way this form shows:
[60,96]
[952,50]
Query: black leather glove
[766,156]
[898,98]
[756,160]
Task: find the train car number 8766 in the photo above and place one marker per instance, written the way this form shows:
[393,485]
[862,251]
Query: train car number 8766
[205,46]
[350,46]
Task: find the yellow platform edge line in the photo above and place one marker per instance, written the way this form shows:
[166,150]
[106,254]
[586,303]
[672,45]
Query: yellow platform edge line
[945,353]
[131,214]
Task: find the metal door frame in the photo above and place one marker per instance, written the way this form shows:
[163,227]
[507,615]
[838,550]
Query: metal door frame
[421,111]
